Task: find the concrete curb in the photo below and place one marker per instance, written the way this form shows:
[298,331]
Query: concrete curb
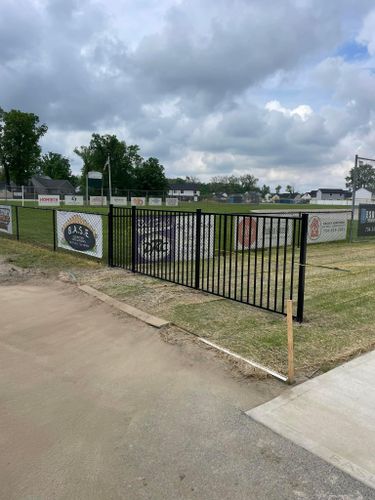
[130,310]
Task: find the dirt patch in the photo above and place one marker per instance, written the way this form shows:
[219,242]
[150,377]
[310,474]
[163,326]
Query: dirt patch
[10,274]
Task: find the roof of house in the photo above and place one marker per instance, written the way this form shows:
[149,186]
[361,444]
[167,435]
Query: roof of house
[333,190]
[48,183]
[189,186]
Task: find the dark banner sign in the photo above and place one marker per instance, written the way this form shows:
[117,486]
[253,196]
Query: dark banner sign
[366,220]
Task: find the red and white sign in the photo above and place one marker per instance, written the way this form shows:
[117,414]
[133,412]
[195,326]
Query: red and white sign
[48,200]
[251,232]
[325,227]
[138,201]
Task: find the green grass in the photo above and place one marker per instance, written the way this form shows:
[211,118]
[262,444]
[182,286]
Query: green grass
[26,255]
[339,312]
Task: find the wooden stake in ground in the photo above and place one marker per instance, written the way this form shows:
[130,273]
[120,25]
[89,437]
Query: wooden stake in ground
[289,316]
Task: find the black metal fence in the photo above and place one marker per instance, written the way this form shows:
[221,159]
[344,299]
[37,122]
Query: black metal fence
[254,259]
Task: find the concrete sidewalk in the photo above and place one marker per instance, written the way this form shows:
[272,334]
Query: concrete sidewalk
[94,405]
[333,416]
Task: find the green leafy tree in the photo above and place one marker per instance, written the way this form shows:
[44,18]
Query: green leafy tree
[278,189]
[289,189]
[124,159]
[363,175]
[149,175]
[19,144]
[248,183]
[265,190]
[55,166]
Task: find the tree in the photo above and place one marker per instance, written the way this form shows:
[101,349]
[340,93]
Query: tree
[265,190]
[19,144]
[363,175]
[278,189]
[55,166]
[124,159]
[249,183]
[289,189]
[149,175]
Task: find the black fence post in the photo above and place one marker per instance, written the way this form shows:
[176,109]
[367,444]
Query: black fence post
[17,224]
[110,235]
[54,228]
[198,225]
[302,267]
[134,237]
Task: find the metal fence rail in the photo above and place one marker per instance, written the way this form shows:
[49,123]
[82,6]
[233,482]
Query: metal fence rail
[254,259]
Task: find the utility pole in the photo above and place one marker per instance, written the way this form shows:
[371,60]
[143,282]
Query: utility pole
[353,196]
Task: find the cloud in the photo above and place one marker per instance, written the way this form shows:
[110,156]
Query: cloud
[214,87]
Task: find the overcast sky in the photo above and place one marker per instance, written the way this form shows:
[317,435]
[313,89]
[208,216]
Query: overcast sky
[283,89]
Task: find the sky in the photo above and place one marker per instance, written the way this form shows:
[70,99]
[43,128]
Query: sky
[281,89]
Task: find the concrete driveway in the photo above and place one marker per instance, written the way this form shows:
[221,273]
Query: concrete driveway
[95,405]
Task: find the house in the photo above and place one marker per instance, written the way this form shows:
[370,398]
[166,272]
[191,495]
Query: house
[252,197]
[332,194]
[42,184]
[185,192]
[364,196]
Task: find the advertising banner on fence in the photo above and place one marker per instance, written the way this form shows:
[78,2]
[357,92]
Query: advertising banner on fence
[80,232]
[155,201]
[250,232]
[323,227]
[172,237]
[73,200]
[6,219]
[98,201]
[138,201]
[119,201]
[48,200]
[171,202]
[366,220]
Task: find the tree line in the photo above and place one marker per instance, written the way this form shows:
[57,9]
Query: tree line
[21,156]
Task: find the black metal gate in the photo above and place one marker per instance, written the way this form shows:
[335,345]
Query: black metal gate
[250,258]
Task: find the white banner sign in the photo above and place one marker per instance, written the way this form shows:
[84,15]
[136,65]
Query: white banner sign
[80,232]
[6,219]
[119,201]
[155,201]
[48,200]
[172,237]
[138,201]
[73,200]
[251,232]
[171,202]
[323,227]
[98,201]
